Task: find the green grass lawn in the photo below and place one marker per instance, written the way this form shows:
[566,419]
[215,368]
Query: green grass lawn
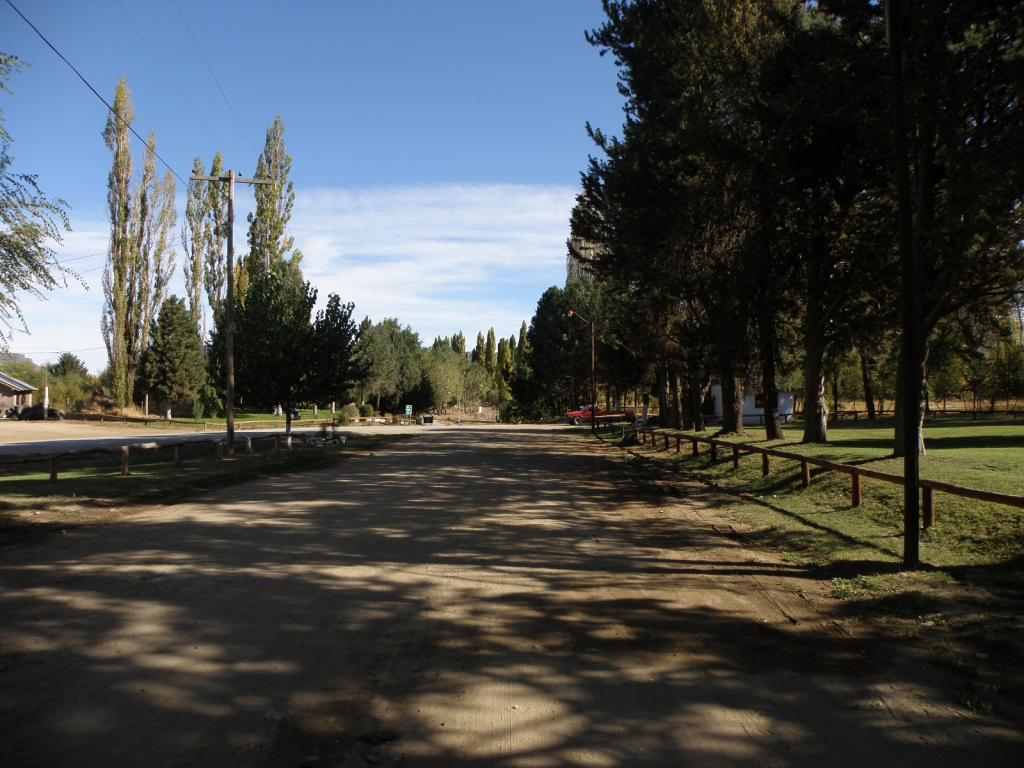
[819,525]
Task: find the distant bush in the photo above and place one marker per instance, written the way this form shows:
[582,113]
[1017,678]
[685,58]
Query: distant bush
[348,413]
[366,409]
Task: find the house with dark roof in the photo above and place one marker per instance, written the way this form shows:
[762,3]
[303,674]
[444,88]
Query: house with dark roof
[14,393]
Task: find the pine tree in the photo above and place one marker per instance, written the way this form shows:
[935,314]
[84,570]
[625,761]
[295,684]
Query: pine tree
[68,364]
[173,366]
[274,340]
[336,367]
[459,343]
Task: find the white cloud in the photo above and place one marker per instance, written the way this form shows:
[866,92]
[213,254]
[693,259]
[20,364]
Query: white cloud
[440,258]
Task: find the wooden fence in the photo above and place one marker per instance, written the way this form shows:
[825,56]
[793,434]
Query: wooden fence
[931,413]
[856,473]
[217,446]
[110,418]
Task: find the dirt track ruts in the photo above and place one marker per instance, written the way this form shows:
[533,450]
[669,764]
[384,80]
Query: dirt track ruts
[486,597]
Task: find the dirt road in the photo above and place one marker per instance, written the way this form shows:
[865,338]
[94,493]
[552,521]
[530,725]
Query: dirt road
[466,598]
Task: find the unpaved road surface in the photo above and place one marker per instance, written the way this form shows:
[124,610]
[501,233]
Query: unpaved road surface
[485,597]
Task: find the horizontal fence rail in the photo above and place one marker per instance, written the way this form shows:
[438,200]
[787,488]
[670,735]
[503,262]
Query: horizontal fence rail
[110,418]
[856,473]
[56,461]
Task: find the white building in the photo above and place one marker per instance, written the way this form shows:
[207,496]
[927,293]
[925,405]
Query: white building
[752,413]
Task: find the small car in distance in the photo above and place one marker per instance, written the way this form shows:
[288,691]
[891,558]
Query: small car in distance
[584,415]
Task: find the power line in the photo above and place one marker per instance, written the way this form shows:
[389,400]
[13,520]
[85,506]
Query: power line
[83,62]
[214,76]
[170,77]
[56,351]
[95,92]
[177,239]
[79,258]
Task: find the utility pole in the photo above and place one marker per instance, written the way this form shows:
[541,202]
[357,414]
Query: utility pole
[910,407]
[593,369]
[229,301]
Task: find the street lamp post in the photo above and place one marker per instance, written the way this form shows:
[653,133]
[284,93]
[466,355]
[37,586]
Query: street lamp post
[593,370]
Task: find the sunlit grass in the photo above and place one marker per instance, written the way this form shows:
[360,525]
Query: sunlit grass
[819,525]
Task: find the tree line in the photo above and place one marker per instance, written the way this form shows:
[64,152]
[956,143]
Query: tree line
[742,228]
[286,354]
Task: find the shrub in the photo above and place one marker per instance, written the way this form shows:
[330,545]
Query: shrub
[366,409]
[348,413]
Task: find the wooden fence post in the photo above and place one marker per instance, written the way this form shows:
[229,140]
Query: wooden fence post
[248,443]
[805,473]
[855,489]
[666,442]
[714,451]
[679,443]
[696,448]
[928,507]
[124,460]
[53,470]
[764,464]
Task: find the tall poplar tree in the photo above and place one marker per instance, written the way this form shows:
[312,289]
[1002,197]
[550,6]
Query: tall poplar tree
[477,355]
[215,239]
[140,260]
[193,234]
[490,352]
[269,241]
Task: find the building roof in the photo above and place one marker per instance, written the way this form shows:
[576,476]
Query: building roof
[16,384]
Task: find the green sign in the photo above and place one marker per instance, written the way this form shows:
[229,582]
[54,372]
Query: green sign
[408,410]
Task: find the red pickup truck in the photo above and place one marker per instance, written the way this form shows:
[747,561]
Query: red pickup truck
[583,415]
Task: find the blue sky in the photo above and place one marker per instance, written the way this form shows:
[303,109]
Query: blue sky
[437,146]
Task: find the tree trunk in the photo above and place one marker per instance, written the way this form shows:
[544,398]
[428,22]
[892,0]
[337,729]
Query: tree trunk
[815,409]
[646,407]
[836,403]
[699,393]
[766,314]
[675,398]
[288,420]
[693,403]
[917,382]
[869,389]
[732,402]
[769,384]
[663,396]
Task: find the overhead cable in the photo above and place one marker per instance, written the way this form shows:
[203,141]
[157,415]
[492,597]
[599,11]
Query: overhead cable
[95,92]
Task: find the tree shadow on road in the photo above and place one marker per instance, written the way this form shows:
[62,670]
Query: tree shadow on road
[472,599]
